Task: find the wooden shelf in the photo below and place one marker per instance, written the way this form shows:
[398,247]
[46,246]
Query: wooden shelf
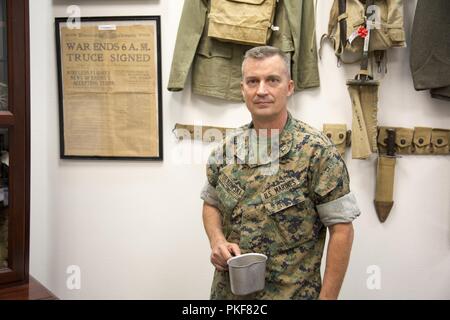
[30,291]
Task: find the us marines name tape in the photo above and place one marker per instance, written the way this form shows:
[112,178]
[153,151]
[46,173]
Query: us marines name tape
[284,186]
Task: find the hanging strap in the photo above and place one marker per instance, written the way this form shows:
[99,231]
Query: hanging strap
[365,58]
[342,18]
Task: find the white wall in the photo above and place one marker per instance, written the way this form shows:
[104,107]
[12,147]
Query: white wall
[134,228]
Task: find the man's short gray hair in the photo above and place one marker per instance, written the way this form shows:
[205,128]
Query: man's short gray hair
[264,52]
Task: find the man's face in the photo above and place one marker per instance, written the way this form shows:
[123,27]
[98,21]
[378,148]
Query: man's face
[266,87]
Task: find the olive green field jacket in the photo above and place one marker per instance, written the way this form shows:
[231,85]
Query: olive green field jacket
[216,65]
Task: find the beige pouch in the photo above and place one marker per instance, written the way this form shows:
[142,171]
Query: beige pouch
[403,140]
[246,22]
[422,140]
[390,32]
[440,141]
[354,16]
[337,133]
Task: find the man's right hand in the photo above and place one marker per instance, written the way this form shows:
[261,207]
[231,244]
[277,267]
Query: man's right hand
[221,249]
[221,252]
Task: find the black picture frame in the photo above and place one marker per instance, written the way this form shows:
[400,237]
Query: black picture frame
[158,83]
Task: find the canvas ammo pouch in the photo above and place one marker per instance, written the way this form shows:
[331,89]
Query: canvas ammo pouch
[440,141]
[337,133]
[422,140]
[403,140]
[248,22]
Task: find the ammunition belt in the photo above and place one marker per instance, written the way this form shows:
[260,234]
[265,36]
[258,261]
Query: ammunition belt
[416,141]
[337,133]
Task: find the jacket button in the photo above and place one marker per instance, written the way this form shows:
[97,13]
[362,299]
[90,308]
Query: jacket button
[341,136]
[439,141]
[420,140]
[403,141]
[329,135]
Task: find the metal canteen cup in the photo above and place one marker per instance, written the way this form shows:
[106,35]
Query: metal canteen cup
[247,273]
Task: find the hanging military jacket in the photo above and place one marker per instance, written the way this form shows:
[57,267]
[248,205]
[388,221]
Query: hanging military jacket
[216,65]
[430,48]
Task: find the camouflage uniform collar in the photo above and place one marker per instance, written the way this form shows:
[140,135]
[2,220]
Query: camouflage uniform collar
[244,149]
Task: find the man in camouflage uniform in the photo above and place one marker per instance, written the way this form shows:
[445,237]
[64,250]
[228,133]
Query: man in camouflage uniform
[282,213]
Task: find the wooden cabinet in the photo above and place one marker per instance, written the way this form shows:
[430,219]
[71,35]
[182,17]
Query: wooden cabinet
[14,143]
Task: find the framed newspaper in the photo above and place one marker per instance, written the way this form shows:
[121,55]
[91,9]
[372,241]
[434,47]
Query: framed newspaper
[109,77]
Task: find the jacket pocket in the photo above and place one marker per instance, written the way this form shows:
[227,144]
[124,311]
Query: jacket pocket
[212,66]
[291,219]
[211,48]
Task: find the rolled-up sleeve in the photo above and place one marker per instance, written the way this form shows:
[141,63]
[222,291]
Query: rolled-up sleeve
[342,210]
[209,195]
[331,188]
